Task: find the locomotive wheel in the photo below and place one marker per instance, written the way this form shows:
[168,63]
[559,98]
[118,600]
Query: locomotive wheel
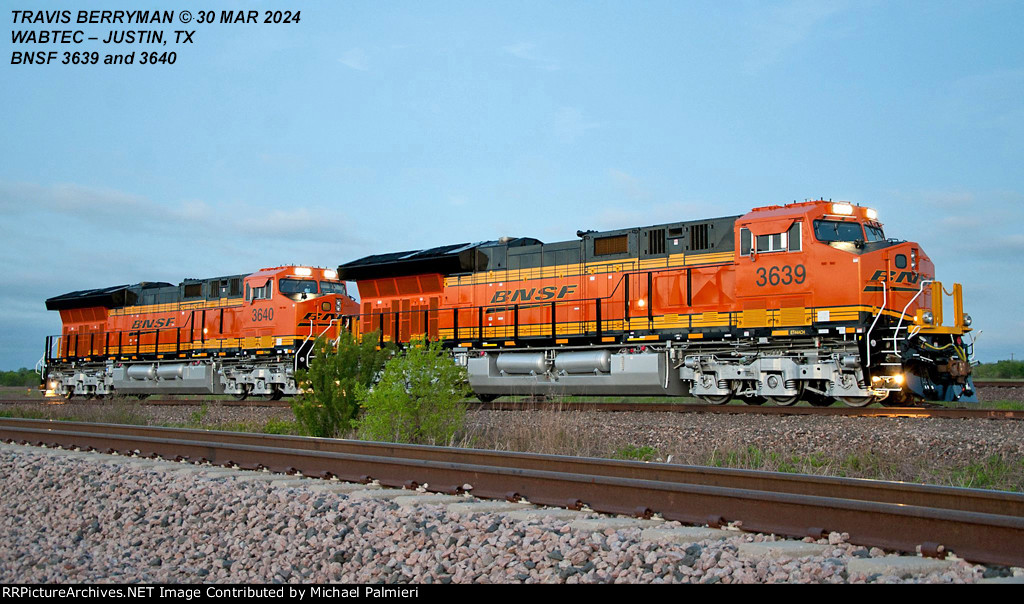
[897,399]
[486,398]
[818,400]
[755,400]
[783,401]
[277,395]
[244,394]
[857,401]
[720,399]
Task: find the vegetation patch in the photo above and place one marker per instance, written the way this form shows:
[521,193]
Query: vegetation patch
[1000,370]
[331,387]
[643,453]
[21,378]
[418,398]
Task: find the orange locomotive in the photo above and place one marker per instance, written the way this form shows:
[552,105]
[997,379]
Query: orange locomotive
[802,301]
[239,335]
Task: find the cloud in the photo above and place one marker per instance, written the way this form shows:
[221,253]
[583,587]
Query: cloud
[628,184]
[59,238]
[570,124]
[356,59]
[82,210]
[528,51]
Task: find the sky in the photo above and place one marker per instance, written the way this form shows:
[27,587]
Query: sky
[372,127]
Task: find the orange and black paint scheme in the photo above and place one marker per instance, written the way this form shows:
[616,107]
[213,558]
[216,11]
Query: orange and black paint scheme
[238,334]
[804,301]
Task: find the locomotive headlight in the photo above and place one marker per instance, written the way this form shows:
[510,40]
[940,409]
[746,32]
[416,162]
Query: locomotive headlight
[870,214]
[927,317]
[337,305]
[305,272]
[641,303]
[967,320]
[842,208]
[898,378]
[331,275]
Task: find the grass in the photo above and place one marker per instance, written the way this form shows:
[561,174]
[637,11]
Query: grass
[1004,405]
[633,452]
[853,465]
[994,472]
[114,411]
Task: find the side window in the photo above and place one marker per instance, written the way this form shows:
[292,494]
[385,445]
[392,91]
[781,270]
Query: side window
[261,293]
[772,243]
[790,240]
[794,237]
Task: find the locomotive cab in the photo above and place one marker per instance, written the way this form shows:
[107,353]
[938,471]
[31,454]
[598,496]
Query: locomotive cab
[828,270]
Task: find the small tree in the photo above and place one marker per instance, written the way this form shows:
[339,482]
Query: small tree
[329,402]
[418,398]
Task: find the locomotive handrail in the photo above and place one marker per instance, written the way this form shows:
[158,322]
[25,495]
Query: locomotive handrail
[106,344]
[904,312]
[479,328]
[867,337]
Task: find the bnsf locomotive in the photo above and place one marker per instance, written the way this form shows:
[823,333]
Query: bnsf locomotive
[806,301]
[239,335]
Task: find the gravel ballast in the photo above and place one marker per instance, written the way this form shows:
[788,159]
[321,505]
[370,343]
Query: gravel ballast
[93,518]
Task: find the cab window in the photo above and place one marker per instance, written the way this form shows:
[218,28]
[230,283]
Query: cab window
[835,230]
[874,233]
[260,293]
[297,286]
[330,287]
[776,242]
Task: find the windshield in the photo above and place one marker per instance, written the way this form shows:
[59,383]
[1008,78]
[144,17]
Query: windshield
[330,287]
[875,233]
[297,286]
[834,230]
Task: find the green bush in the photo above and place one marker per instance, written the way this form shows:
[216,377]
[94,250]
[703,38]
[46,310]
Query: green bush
[1001,370]
[418,398]
[329,403]
[21,378]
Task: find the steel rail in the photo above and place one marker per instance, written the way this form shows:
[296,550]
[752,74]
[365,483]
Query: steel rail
[998,383]
[924,412]
[972,500]
[990,537]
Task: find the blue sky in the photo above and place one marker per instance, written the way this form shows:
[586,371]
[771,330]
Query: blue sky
[371,127]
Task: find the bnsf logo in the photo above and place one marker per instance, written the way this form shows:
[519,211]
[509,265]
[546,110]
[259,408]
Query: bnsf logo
[322,316]
[152,323]
[532,294]
[894,277]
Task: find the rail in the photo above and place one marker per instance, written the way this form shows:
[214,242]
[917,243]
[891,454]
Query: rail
[977,525]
